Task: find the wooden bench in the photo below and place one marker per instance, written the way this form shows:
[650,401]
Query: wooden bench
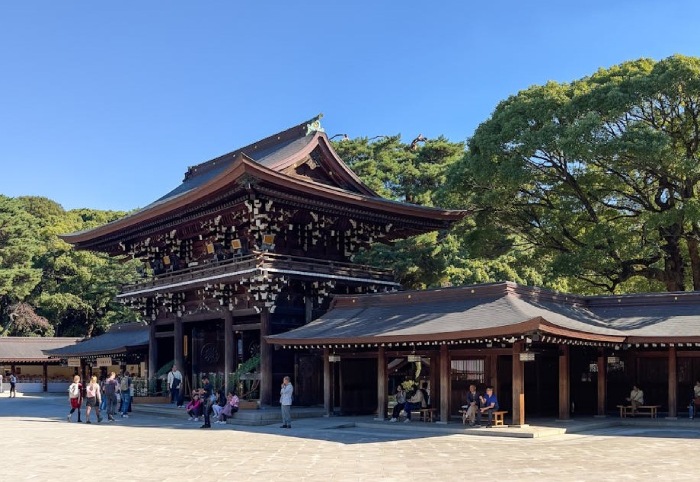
[425,414]
[650,410]
[498,416]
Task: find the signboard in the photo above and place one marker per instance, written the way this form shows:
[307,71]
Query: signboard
[104,361]
[74,362]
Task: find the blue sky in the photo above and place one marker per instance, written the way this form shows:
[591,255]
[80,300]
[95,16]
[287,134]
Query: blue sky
[104,105]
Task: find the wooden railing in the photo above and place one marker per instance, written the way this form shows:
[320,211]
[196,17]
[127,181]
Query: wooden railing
[250,263]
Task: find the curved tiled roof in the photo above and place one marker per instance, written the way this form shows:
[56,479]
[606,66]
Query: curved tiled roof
[30,349]
[119,339]
[500,310]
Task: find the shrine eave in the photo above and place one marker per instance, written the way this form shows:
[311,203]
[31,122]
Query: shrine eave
[242,175]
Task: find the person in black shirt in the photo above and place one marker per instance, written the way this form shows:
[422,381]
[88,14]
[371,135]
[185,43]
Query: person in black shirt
[205,393]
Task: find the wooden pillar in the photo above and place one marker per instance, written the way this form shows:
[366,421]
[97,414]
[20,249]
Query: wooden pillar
[564,383]
[45,367]
[602,383]
[434,379]
[672,384]
[229,347]
[381,383]
[518,384]
[327,384]
[493,371]
[152,355]
[445,378]
[266,361]
[178,349]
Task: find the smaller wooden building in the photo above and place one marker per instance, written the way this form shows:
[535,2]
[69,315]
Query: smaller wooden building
[546,353]
[35,371]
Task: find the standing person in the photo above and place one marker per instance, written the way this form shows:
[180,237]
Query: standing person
[174,385]
[93,398]
[400,403]
[286,394]
[489,404]
[206,394]
[75,396]
[111,388]
[125,390]
[13,386]
[2,388]
[472,405]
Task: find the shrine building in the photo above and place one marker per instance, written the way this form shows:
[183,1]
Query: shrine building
[255,243]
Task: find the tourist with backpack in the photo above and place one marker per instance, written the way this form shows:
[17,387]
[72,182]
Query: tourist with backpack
[75,397]
[13,385]
[125,390]
[175,386]
[111,388]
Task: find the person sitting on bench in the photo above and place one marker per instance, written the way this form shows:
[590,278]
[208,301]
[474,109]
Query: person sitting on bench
[472,405]
[416,402]
[400,403]
[636,399]
[489,404]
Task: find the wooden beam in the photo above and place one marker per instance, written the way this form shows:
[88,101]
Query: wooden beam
[178,348]
[382,380]
[445,378]
[246,327]
[672,383]
[602,383]
[327,383]
[518,384]
[564,383]
[152,355]
[265,360]
[229,346]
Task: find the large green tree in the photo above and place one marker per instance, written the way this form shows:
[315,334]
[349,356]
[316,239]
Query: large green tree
[46,287]
[600,177]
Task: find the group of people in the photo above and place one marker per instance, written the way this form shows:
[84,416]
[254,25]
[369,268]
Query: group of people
[13,385]
[205,403]
[478,404]
[405,404]
[111,395]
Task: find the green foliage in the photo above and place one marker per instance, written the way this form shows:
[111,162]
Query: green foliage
[73,291]
[599,178]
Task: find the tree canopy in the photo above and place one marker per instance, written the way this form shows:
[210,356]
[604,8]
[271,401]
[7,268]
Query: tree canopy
[48,288]
[599,176]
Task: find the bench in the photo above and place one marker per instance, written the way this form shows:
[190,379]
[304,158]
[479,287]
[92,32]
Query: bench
[650,410]
[425,414]
[498,416]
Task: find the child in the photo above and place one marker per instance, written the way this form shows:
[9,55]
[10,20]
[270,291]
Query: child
[194,408]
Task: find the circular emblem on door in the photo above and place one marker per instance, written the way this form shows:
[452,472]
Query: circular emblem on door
[210,353]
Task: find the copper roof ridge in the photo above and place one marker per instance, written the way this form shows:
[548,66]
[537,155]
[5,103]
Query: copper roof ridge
[295,132]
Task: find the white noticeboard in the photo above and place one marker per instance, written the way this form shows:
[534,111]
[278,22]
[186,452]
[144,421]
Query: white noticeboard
[104,361]
[74,362]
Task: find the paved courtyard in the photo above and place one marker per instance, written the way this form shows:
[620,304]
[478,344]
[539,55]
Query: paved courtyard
[38,444]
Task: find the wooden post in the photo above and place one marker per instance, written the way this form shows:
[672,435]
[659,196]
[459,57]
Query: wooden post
[381,383]
[229,342]
[493,371]
[46,376]
[266,361]
[152,355]
[564,383]
[602,383]
[445,377]
[518,385]
[672,384]
[178,349]
[327,383]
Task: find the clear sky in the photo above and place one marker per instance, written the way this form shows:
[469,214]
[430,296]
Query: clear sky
[104,105]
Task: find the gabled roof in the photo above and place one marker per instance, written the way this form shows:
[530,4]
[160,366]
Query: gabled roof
[501,310]
[16,349]
[270,160]
[120,338]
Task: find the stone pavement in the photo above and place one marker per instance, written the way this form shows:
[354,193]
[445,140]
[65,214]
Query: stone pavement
[37,443]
